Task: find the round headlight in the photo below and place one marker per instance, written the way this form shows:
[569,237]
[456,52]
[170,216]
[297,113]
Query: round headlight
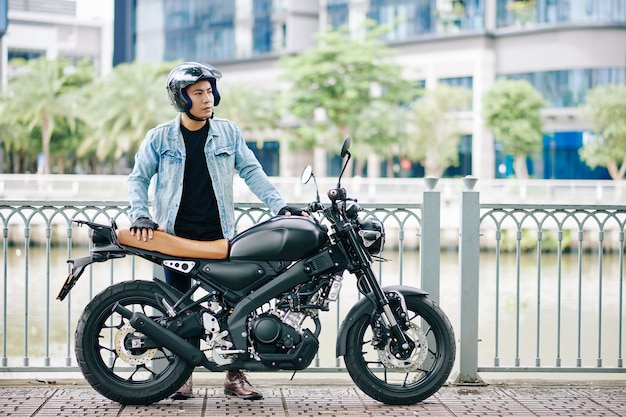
[372,234]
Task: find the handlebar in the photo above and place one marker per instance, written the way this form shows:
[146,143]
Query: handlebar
[314,207]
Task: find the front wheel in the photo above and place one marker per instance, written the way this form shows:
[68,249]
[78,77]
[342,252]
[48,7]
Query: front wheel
[114,357]
[381,375]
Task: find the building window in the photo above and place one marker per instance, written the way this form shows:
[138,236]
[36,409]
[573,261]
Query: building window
[262,30]
[529,12]
[406,18]
[411,18]
[465,82]
[199,31]
[568,88]
[179,45]
[561,160]
[337,12]
[215,45]
[179,14]
[26,54]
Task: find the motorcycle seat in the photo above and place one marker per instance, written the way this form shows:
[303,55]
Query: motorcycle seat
[177,246]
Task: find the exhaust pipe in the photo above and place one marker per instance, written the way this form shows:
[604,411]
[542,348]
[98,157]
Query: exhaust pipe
[165,337]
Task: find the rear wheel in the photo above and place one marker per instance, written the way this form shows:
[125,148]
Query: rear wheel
[110,352]
[384,377]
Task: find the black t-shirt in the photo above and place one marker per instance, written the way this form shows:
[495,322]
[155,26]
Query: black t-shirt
[198,217]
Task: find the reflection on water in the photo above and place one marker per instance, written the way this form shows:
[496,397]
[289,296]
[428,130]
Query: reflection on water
[582,308]
[27,310]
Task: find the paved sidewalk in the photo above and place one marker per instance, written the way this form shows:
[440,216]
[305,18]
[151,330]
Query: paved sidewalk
[317,398]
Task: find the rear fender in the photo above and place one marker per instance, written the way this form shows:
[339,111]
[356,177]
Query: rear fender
[365,306]
[78,267]
[105,247]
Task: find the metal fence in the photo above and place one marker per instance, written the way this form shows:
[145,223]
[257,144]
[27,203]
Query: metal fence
[560,306]
[38,236]
[528,288]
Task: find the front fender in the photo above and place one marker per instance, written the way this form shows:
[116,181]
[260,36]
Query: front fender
[365,306]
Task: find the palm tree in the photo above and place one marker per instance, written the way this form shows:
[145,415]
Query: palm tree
[17,142]
[122,107]
[39,96]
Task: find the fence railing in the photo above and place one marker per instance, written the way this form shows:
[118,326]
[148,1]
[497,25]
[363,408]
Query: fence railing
[559,308]
[38,236]
[534,288]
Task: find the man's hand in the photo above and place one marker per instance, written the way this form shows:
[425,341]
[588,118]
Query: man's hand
[143,228]
[288,211]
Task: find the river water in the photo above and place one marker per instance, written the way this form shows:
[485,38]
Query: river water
[596,329]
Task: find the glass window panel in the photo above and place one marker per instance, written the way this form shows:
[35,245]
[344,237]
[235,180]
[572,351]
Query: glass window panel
[199,30]
[568,88]
[26,54]
[466,82]
[557,11]
[337,14]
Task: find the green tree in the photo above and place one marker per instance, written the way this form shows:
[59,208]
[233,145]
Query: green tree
[512,111]
[333,83]
[13,137]
[381,120]
[43,94]
[122,107]
[435,137]
[605,109]
[253,108]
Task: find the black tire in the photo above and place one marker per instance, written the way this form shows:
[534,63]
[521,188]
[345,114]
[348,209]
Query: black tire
[379,375]
[120,373]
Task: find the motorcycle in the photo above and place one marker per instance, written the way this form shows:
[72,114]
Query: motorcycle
[138,341]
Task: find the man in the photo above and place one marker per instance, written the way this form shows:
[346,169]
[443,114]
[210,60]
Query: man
[192,158]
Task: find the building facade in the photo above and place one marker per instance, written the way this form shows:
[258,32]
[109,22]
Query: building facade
[563,47]
[51,29]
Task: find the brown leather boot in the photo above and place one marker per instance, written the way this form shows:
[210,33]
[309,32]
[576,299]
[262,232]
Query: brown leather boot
[236,384]
[184,392]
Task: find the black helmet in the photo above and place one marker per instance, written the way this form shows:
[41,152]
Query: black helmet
[186,74]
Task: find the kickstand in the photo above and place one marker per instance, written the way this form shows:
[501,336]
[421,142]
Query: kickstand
[292,375]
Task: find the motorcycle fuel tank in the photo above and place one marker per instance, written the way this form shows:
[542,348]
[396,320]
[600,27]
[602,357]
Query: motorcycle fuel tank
[281,238]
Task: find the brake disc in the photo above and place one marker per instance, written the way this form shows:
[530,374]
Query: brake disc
[417,357]
[135,354]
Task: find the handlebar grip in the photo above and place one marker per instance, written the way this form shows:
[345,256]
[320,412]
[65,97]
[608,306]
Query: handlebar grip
[314,207]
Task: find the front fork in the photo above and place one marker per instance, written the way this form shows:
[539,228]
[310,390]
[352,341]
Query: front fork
[395,319]
[391,308]
[387,304]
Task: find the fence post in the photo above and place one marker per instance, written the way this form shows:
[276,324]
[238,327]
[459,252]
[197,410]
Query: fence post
[430,239]
[469,251]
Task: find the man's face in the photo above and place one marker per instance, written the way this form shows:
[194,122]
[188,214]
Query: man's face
[201,95]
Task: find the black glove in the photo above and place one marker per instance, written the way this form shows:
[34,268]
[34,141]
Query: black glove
[293,210]
[143,223]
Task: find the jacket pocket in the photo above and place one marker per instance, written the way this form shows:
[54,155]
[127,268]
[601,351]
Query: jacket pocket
[170,156]
[170,169]
[224,159]
[224,151]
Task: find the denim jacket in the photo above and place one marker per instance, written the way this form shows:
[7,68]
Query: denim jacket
[162,155]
